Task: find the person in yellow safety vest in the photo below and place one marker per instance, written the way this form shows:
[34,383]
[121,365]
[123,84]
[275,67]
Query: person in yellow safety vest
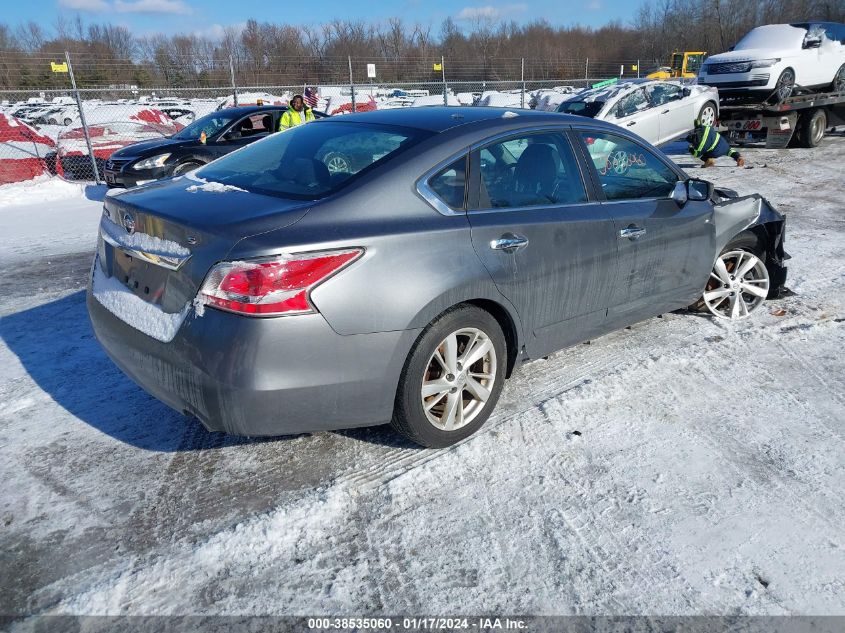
[708,145]
[296,114]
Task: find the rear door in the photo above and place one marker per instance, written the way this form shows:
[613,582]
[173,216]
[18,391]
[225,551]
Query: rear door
[547,243]
[665,251]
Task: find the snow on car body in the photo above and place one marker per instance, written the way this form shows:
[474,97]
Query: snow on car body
[658,111]
[777,58]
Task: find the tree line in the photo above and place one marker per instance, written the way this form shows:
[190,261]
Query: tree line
[482,49]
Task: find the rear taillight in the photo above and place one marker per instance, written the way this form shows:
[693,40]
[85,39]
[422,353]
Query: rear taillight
[272,286]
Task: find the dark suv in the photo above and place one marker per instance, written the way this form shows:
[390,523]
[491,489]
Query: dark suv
[201,142]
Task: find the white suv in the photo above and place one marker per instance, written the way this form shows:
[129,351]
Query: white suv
[774,60]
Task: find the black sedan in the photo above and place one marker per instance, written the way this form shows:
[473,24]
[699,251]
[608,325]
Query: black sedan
[201,142]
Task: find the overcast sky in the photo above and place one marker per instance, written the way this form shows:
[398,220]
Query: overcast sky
[210,16]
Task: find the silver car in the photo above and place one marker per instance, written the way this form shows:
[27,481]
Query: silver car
[265,294]
[658,111]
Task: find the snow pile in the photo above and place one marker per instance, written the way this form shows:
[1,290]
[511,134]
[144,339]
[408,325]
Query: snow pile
[134,311]
[40,189]
[142,241]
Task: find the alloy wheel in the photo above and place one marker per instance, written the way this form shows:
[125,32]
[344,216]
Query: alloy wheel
[337,164]
[738,285]
[839,80]
[786,83]
[708,115]
[458,379]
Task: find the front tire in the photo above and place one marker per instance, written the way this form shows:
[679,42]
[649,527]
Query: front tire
[838,84]
[707,115]
[784,86]
[452,378]
[184,168]
[739,282]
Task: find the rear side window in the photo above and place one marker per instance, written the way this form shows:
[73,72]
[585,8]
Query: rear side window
[312,161]
[450,183]
[534,170]
[627,170]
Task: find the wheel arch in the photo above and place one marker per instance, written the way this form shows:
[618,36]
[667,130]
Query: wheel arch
[509,328]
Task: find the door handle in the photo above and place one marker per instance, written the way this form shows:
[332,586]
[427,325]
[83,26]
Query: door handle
[665,112]
[509,242]
[632,232]
[632,123]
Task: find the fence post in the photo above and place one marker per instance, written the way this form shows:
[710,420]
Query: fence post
[443,74]
[587,69]
[234,85]
[351,82]
[638,69]
[82,120]
[522,72]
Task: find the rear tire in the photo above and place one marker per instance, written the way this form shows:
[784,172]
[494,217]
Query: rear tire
[811,128]
[438,391]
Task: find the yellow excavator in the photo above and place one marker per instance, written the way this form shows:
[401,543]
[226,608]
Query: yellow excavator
[685,65]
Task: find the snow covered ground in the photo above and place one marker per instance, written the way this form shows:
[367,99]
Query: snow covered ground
[683,466]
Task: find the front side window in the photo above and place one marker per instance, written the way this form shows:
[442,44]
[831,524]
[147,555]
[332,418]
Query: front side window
[211,124]
[529,171]
[627,170]
[663,93]
[312,161]
[632,103]
[450,183]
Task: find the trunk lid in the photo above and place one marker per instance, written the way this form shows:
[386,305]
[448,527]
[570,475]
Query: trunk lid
[161,239]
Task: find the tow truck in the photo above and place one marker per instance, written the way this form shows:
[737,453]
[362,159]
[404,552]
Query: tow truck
[798,121]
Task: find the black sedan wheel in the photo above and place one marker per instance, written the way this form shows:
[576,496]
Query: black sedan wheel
[184,168]
[452,379]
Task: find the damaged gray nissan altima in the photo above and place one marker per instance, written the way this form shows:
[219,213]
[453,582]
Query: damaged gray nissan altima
[272,292]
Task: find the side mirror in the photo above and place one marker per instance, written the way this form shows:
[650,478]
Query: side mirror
[687,92]
[679,193]
[813,43]
[699,189]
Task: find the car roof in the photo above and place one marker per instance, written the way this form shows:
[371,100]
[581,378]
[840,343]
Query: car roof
[442,118]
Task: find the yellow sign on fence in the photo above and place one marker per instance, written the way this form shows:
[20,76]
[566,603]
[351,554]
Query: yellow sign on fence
[438,66]
[58,68]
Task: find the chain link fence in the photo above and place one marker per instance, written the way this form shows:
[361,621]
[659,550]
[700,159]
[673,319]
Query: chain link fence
[71,130]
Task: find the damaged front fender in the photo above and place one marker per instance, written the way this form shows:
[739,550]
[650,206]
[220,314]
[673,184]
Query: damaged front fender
[754,213]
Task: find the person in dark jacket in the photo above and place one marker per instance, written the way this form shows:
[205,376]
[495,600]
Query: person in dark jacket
[708,145]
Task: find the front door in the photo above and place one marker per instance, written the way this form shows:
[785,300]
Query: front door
[675,113]
[635,113]
[665,250]
[549,248]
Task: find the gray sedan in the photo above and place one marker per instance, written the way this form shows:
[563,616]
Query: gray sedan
[266,294]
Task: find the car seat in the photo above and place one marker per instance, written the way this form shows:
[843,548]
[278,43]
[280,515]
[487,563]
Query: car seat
[535,175]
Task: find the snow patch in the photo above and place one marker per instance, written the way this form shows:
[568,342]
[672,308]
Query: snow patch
[40,189]
[134,311]
[142,241]
[213,187]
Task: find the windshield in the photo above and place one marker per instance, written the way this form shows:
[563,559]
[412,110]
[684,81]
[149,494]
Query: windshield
[211,124]
[312,161]
[772,36]
[678,61]
[582,108]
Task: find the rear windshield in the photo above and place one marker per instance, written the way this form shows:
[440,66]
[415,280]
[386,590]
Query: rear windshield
[313,160]
[583,108]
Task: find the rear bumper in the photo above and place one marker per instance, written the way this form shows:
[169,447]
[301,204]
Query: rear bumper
[253,376]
